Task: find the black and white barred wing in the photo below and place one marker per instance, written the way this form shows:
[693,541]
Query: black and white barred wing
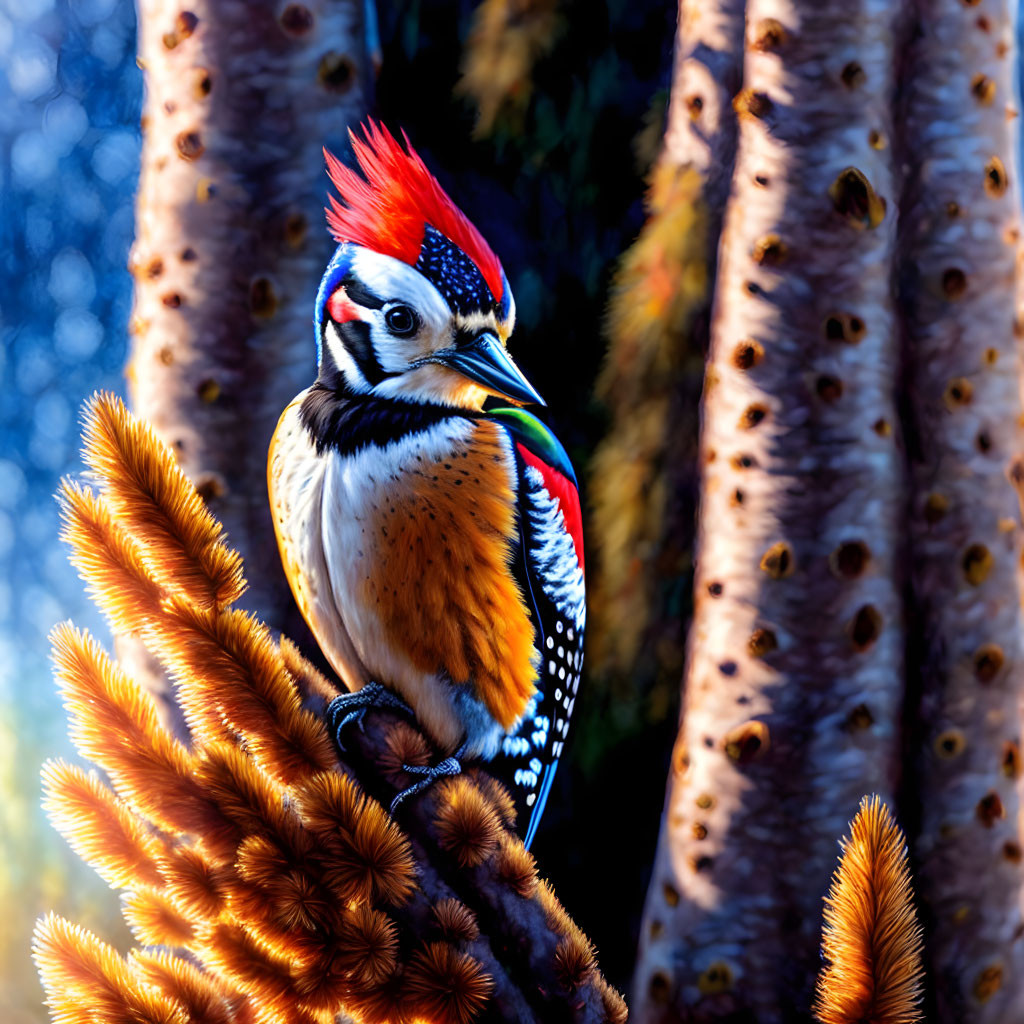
[549,569]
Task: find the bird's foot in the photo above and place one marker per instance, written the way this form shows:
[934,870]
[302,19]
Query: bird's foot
[349,708]
[429,773]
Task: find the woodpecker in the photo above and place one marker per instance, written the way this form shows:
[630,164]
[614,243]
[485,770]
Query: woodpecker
[433,545]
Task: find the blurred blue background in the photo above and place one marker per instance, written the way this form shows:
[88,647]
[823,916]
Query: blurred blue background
[70,97]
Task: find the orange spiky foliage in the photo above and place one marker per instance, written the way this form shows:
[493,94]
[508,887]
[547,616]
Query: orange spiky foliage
[871,940]
[265,869]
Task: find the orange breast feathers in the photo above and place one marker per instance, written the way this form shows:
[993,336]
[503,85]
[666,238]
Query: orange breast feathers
[441,582]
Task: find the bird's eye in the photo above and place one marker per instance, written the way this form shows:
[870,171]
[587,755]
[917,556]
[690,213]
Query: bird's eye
[401,320]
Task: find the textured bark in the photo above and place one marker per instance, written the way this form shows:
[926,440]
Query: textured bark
[707,74]
[520,933]
[793,688]
[230,245]
[959,228]
[644,479]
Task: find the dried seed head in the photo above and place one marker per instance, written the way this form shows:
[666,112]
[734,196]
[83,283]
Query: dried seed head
[371,940]
[403,745]
[467,824]
[456,922]
[613,1003]
[499,796]
[446,986]
[574,961]
[872,941]
[516,867]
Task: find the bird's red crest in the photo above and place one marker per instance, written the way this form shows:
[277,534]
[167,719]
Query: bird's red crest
[388,208]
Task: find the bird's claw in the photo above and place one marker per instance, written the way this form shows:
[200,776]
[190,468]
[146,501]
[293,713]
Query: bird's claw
[431,773]
[347,708]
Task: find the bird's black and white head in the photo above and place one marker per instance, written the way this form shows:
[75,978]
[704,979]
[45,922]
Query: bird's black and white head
[414,305]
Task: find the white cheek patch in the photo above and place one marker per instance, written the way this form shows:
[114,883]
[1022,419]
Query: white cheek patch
[343,359]
[396,355]
[394,281]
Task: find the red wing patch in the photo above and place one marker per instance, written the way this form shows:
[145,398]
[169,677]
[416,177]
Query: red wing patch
[563,490]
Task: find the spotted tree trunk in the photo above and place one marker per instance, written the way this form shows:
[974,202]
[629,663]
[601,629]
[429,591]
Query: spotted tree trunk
[707,74]
[791,705]
[958,234]
[856,601]
[230,243]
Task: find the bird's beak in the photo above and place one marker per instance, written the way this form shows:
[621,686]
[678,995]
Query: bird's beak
[485,361]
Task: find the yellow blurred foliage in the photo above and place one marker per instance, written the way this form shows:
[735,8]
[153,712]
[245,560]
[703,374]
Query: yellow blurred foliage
[507,39]
[652,365]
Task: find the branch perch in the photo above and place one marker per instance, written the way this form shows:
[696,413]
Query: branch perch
[263,863]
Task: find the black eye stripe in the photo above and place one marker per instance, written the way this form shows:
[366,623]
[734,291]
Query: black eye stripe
[361,295]
[355,336]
